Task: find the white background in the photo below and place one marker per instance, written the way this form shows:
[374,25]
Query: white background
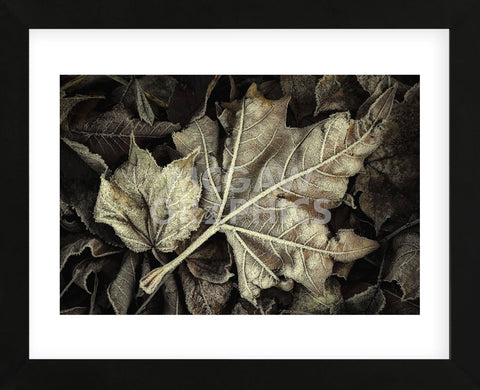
[55,52]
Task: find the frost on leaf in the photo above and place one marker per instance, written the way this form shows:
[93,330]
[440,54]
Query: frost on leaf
[306,303]
[108,134]
[149,206]
[369,301]
[67,104]
[122,289]
[212,261]
[390,183]
[201,296]
[337,93]
[405,267]
[79,184]
[75,244]
[145,112]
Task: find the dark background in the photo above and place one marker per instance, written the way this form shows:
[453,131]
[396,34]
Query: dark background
[461,372]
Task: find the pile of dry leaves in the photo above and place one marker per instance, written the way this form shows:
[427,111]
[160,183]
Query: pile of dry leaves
[239,195]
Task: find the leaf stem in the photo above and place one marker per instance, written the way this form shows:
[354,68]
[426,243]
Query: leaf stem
[149,298]
[194,246]
[406,226]
[147,301]
[153,98]
[382,265]
[93,297]
[126,89]
[231,169]
[67,287]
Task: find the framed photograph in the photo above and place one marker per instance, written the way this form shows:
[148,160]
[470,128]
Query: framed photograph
[241,197]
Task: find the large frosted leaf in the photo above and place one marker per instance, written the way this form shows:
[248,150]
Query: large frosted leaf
[267,168]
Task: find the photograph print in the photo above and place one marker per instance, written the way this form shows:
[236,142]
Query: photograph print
[239,194]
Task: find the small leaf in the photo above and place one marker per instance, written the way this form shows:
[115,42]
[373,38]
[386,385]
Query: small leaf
[75,244]
[338,93]
[94,161]
[266,305]
[149,206]
[68,103]
[108,134]
[85,268]
[203,297]
[158,89]
[405,266]
[122,290]
[171,297]
[369,301]
[75,310]
[204,276]
[374,83]
[304,302]
[79,185]
[397,305]
[390,183]
[211,262]
[143,106]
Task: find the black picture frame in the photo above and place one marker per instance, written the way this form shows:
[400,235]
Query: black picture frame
[459,372]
